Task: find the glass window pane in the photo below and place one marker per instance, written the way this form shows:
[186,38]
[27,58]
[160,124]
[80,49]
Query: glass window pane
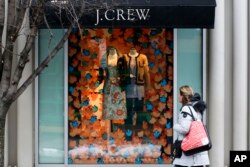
[51,101]
[189,59]
[120,96]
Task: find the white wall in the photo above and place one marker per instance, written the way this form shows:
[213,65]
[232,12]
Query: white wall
[216,83]
[228,81]
[25,112]
[20,125]
[240,70]
[228,126]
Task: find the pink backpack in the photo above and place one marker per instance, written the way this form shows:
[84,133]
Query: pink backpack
[197,139]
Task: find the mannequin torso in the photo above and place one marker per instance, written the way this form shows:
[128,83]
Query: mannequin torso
[134,90]
[112,57]
[133,54]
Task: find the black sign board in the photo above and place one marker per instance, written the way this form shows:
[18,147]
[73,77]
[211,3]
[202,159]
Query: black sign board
[144,13]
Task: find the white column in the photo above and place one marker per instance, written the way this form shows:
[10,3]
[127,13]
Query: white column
[240,77]
[25,115]
[216,82]
[228,116]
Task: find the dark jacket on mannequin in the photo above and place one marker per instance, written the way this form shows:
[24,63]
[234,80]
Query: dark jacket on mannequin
[122,70]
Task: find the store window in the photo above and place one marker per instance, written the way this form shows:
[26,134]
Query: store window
[190,57]
[50,101]
[120,96]
[75,100]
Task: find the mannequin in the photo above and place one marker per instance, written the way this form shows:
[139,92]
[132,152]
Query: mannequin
[139,80]
[114,97]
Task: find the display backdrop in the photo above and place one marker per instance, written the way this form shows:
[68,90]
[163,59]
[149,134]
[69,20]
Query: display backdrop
[88,141]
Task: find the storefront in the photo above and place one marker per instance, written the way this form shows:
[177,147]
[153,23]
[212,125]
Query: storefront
[163,45]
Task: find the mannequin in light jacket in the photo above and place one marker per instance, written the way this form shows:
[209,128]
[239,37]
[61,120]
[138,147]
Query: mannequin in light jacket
[138,82]
[183,125]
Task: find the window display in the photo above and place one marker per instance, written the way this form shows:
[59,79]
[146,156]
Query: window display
[120,96]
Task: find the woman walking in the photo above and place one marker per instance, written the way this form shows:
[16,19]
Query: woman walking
[189,101]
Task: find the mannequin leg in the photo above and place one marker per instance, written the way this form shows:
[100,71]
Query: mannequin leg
[141,116]
[130,121]
[130,112]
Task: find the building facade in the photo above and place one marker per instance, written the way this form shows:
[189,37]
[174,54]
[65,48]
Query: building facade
[213,61]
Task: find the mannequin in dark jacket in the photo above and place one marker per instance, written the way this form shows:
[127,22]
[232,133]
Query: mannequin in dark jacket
[113,72]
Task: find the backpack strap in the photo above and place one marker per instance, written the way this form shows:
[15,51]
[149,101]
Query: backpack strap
[192,115]
[192,104]
[186,113]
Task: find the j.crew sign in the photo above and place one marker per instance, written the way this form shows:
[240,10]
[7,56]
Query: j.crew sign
[121,15]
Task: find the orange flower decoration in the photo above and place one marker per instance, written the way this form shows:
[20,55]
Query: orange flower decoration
[93,48]
[170,72]
[74,131]
[77,103]
[161,106]
[75,62]
[117,33]
[162,141]
[96,125]
[129,33]
[99,32]
[120,121]
[70,99]
[169,35]
[168,88]
[85,133]
[119,134]
[128,46]
[156,114]
[162,121]
[143,39]
[71,113]
[72,79]
[170,103]
[170,132]
[170,59]
[145,51]
[168,114]
[80,57]
[84,42]
[144,125]
[167,149]
[146,31]
[73,38]
[158,78]
[72,51]
[93,96]
[149,160]
[87,112]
